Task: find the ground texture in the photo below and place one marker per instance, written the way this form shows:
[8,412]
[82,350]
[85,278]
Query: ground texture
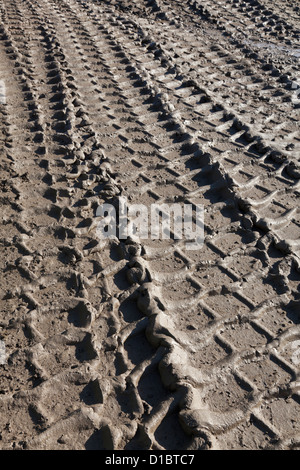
[120,344]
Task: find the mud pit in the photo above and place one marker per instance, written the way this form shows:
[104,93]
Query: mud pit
[125,345]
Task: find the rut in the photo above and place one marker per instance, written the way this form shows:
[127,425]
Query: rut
[139,343]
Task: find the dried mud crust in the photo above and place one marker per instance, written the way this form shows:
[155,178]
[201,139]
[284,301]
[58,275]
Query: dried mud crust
[127,345]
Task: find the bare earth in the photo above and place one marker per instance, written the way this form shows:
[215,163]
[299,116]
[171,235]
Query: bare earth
[120,344]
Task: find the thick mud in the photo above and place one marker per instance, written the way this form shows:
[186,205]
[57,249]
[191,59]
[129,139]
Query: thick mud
[131,344]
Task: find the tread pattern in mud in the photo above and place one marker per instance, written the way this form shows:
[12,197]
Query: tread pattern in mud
[112,343]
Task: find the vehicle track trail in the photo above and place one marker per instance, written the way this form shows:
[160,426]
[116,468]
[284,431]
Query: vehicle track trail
[145,343]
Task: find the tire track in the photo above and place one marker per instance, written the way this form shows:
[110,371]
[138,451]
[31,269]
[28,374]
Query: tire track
[242,84]
[241,16]
[58,375]
[154,336]
[235,417]
[240,135]
[58,419]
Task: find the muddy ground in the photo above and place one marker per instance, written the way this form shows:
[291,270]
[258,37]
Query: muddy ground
[113,343]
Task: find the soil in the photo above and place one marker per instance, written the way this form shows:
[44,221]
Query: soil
[145,344]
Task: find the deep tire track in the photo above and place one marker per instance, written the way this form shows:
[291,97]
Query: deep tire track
[211,364]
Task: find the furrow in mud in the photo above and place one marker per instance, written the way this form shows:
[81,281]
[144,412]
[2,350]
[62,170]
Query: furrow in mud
[225,135]
[126,339]
[250,17]
[41,294]
[238,78]
[54,293]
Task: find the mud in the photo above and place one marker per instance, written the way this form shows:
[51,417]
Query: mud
[145,344]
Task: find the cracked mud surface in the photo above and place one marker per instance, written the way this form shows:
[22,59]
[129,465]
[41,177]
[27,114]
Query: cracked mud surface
[125,344]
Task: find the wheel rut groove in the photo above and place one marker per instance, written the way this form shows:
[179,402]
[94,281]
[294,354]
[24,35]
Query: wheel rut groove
[113,343]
